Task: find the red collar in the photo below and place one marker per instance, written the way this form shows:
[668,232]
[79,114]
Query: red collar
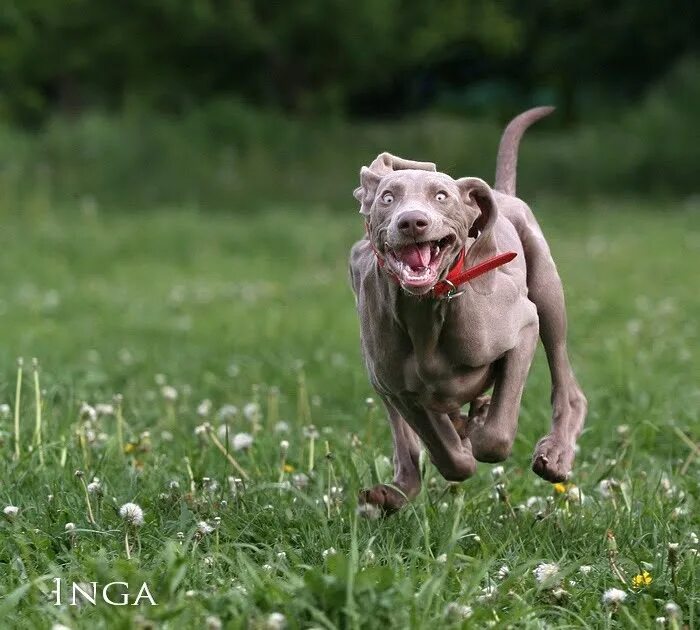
[457,275]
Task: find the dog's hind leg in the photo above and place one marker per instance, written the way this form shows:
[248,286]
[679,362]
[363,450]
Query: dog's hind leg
[407,482]
[554,453]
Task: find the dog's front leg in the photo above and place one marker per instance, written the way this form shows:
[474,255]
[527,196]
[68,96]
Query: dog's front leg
[406,483]
[493,435]
[450,453]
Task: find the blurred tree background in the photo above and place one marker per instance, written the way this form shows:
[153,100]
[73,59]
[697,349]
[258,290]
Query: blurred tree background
[234,80]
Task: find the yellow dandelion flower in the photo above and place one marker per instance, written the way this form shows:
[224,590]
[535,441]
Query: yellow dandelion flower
[642,579]
[560,488]
[288,468]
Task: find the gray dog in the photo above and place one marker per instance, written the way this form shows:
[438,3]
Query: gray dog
[453,282]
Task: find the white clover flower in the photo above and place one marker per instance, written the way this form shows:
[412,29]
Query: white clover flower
[545,572]
[59,626]
[204,408]
[5,411]
[614,596]
[369,556]
[368,511]
[497,472]
[174,484]
[204,528]
[503,572]
[69,527]
[282,556]
[251,411]
[132,514]
[11,512]
[458,612]
[660,621]
[169,393]
[693,538]
[442,558]
[95,486]
[284,446]
[585,569]
[369,402]
[242,441]
[282,427]
[275,621]
[443,507]
[268,568]
[328,552]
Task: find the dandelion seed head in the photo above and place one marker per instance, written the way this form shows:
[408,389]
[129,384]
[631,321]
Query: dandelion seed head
[11,511]
[132,514]
[369,511]
[241,441]
[169,393]
[204,408]
[87,412]
[545,572]
[5,411]
[204,528]
[614,596]
[69,527]
[275,621]
[497,472]
[458,612]
[213,623]
[104,409]
[672,610]
[282,427]
[251,411]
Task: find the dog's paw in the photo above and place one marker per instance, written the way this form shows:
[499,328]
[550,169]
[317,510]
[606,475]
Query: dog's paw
[553,459]
[380,499]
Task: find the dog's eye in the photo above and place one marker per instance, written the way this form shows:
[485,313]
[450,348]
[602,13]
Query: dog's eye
[387,197]
[441,196]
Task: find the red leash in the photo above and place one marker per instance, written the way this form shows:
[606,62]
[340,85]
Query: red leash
[457,276]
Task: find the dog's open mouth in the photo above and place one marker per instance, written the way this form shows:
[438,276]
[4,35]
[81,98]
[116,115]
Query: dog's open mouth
[417,265]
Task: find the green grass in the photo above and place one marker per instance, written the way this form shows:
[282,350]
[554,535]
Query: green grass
[228,308]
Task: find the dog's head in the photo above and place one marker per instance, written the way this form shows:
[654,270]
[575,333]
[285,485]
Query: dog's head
[419,220]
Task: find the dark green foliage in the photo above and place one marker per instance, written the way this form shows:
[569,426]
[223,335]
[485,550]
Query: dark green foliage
[331,56]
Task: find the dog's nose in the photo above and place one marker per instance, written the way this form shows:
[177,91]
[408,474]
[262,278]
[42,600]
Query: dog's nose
[413,223]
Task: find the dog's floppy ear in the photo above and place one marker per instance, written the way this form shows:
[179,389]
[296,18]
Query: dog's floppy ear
[477,194]
[370,177]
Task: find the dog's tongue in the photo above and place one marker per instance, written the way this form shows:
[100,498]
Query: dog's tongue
[415,256]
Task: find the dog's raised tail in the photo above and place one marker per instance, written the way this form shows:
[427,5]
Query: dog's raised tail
[507,160]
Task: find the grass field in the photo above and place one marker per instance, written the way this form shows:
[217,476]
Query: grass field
[255,311]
